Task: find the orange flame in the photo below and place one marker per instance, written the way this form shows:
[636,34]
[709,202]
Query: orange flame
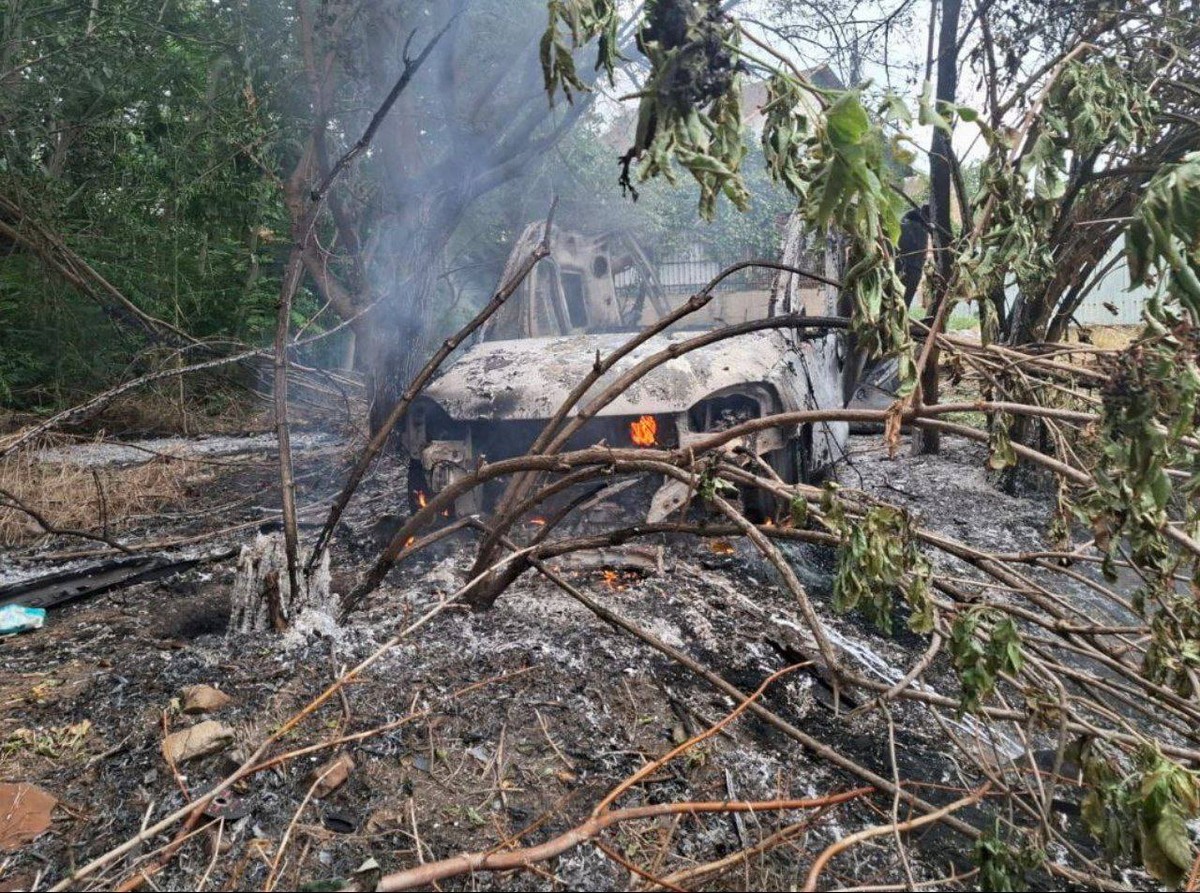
[644,431]
[421,500]
[408,542]
[722,547]
[537,522]
[610,579]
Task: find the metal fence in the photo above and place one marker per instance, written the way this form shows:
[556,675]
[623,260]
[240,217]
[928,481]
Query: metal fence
[689,270]
[1112,302]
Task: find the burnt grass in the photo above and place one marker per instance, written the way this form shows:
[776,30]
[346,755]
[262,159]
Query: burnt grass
[567,707]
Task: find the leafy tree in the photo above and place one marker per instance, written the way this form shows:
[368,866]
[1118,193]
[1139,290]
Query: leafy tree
[144,143]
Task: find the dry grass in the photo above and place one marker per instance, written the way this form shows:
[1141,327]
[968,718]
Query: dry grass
[97,499]
[1107,337]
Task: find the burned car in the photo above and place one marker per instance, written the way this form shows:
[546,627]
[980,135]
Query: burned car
[496,398]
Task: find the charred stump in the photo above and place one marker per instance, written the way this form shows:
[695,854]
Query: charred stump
[262,600]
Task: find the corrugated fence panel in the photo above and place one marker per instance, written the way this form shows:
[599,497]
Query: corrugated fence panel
[689,270]
[1110,303]
[1113,294]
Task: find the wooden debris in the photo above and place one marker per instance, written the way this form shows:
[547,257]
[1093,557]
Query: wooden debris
[331,775]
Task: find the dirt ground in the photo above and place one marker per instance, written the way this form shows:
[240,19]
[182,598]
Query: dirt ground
[527,714]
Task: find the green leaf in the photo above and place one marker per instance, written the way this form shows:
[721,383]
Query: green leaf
[847,120]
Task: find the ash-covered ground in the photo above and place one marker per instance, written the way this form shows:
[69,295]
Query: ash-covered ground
[564,706]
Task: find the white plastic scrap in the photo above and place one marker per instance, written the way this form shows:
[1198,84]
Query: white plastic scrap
[19,619]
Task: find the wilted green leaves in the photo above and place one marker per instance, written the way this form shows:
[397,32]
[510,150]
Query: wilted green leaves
[573,23]
[1002,866]
[822,145]
[837,165]
[1150,424]
[1092,108]
[980,655]
[689,111]
[1162,241]
[1155,800]
[1151,406]
[878,559]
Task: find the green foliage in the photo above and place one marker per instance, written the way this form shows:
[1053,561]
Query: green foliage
[1150,406]
[798,511]
[1016,241]
[839,165]
[689,111]
[1003,867]
[1150,421]
[835,159]
[143,144]
[1162,243]
[879,559]
[979,662]
[1155,798]
[712,485]
[1151,411]
[1092,107]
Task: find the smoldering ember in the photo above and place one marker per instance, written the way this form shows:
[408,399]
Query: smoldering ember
[595,445]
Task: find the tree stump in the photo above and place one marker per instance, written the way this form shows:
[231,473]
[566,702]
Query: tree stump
[262,600]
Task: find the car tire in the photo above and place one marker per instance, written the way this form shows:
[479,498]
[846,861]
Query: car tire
[759,505]
[416,484]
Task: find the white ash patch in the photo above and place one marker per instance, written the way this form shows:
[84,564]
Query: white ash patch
[102,453]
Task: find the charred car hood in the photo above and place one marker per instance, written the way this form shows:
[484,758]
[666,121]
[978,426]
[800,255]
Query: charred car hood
[529,378]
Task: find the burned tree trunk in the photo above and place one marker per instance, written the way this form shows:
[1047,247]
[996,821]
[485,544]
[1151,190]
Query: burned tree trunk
[940,169]
[398,342]
[262,598]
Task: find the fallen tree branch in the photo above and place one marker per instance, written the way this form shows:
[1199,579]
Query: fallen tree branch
[510,860]
[845,843]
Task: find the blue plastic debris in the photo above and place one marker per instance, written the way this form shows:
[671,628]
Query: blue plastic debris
[20,619]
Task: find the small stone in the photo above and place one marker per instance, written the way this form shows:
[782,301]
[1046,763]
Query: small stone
[200,740]
[331,776]
[203,699]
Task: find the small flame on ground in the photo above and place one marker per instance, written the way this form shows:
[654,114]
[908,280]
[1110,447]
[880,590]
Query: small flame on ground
[722,547]
[408,542]
[421,500]
[618,581]
[644,431]
[538,522]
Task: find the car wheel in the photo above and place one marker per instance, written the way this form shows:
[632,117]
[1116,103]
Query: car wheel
[418,486]
[761,505]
